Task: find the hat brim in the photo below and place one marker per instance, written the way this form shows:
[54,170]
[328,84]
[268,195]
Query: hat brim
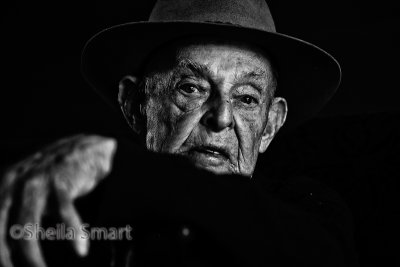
[308,76]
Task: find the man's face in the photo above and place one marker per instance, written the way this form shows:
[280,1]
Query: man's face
[210,104]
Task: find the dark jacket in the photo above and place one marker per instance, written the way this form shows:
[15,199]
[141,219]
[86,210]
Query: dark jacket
[232,221]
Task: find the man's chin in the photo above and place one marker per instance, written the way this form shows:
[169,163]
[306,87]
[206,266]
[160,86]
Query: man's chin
[214,169]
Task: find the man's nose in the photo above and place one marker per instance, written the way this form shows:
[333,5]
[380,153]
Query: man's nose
[219,114]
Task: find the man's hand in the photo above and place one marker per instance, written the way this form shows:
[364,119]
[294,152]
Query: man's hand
[68,169]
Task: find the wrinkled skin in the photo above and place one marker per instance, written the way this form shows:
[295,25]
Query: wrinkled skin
[221,118]
[215,107]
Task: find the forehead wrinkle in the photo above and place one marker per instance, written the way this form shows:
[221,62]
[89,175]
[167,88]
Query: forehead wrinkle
[258,74]
[256,78]
[196,68]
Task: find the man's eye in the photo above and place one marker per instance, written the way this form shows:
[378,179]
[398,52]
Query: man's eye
[248,100]
[188,88]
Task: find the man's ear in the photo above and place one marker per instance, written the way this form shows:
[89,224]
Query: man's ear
[131,100]
[276,118]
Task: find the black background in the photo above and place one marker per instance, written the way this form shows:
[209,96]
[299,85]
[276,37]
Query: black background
[352,144]
[43,92]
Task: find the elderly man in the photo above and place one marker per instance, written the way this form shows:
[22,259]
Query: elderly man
[209,81]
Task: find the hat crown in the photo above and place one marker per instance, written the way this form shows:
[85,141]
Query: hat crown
[245,13]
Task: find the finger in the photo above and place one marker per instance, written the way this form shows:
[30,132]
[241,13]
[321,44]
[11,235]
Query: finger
[70,217]
[81,170]
[98,154]
[5,257]
[77,175]
[6,191]
[34,199]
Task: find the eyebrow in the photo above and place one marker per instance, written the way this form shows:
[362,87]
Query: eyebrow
[197,69]
[203,71]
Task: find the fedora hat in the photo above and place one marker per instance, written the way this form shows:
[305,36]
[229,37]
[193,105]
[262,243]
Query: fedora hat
[308,76]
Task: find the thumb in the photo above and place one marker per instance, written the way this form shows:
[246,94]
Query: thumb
[72,220]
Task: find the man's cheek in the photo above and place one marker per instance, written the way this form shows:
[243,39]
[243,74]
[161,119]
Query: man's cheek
[159,122]
[248,133]
[183,124]
[186,104]
[157,131]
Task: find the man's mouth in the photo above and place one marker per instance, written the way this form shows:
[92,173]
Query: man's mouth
[209,155]
[214,150]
